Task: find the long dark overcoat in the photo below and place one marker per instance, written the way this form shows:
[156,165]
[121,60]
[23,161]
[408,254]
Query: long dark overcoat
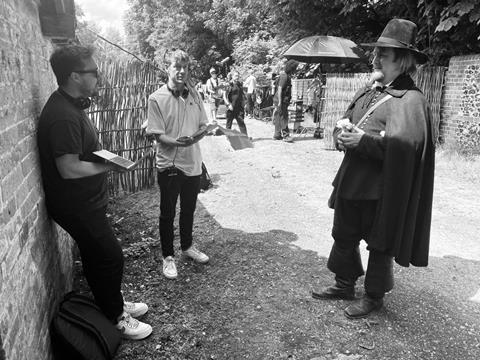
[402,226]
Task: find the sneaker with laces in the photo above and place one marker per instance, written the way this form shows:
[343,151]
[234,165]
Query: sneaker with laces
[135,309]
[133,329]
[169,267]
[288,138]
[196,255]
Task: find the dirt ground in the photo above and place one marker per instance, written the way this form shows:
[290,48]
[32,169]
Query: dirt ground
[266,227]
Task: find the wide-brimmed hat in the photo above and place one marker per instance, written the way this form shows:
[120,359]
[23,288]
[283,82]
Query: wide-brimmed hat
[401,34]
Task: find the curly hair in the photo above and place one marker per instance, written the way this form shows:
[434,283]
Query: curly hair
[68,58]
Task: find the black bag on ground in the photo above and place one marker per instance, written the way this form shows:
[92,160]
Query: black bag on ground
[205,180]
[80,331]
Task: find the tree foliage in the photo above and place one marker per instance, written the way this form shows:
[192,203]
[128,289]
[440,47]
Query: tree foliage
[254,33]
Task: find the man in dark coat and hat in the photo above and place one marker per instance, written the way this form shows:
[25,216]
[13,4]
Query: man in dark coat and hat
[384,186]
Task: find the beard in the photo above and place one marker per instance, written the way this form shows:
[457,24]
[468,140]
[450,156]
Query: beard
[377,75]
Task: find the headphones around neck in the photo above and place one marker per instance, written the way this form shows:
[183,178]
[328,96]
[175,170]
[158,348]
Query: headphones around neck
[82,102]
[184,93]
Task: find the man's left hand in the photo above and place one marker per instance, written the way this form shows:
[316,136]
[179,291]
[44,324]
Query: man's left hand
[350,140]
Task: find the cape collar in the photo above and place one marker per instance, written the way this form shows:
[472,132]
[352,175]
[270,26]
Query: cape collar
[397,87]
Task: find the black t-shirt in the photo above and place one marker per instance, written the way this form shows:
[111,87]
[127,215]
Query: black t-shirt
[283,81]
[65,129]
[235,94]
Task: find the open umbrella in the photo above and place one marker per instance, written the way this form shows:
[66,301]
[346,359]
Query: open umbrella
[325,49]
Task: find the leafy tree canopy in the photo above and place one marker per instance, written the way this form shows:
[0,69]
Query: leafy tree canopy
[254,33]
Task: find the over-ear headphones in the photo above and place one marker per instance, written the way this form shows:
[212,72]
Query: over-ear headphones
[184,93]
[81,102]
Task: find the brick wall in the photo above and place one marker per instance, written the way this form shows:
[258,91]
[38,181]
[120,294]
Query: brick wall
[35,256]
[461,95]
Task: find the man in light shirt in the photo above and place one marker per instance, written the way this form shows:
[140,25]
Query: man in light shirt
[251,84]
[175,112]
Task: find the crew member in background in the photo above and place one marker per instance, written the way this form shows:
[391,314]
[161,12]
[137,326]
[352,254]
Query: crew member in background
[281,100]
[214,93]
[251,84]
[234,100]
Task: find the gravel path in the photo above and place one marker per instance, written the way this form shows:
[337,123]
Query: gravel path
[266,227]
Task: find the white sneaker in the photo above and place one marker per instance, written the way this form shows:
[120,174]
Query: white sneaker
[133,329]
[196,255]
[169,268]
[135,309]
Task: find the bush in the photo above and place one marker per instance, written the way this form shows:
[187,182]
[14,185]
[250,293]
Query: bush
[468,137]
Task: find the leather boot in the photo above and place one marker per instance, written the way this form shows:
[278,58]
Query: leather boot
[363,307]
[343,290]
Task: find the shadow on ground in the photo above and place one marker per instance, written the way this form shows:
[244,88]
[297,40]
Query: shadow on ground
[252,301]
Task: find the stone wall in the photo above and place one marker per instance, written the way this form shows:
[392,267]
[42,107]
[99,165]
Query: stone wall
[35,256]
[461,96]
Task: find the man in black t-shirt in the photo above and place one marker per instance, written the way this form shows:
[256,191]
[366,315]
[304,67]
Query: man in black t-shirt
[281,100]
[74,180]
[234,99]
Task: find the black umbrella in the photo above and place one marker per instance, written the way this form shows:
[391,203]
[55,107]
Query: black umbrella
[325,49]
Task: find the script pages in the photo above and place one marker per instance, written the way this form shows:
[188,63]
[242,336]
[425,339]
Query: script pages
[119,160]
[199,133]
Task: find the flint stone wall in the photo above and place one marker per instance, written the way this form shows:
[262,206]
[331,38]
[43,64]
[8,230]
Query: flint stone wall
[461,96]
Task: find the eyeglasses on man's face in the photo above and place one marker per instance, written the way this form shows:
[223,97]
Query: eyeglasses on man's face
[93,71]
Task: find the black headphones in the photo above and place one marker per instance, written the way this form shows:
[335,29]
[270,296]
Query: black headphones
[82,102]
[184,93]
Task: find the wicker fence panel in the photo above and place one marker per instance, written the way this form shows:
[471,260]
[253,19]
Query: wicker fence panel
[430,81]
[118,114]
[340,89]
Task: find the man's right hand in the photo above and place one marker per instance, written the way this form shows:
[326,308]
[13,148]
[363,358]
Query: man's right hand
[185,141]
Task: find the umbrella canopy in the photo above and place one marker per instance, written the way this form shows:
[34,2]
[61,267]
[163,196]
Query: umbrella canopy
[325,49]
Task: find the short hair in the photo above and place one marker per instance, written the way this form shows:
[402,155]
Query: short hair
[407,59]
[178,56]
[291,66]
[64,60]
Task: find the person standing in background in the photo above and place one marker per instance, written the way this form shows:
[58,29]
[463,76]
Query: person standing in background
[234,100]
[281,100]
[251,84]
[214,93]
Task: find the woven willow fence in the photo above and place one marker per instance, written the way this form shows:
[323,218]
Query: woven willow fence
[118,115]
[339,92]
[340,89]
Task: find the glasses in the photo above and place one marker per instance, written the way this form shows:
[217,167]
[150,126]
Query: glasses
[94,72]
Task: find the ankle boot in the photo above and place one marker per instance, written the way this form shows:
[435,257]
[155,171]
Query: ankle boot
[343,290]
[363,307]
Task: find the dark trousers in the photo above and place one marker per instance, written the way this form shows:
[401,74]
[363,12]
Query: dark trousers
[353,221]
[280,120]
[250,103]
[102,257]
[171,187]
[237,114]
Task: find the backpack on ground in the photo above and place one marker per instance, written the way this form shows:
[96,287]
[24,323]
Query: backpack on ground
[205,180]
[80,331]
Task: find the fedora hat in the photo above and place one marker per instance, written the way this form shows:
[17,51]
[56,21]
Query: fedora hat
[401,34]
